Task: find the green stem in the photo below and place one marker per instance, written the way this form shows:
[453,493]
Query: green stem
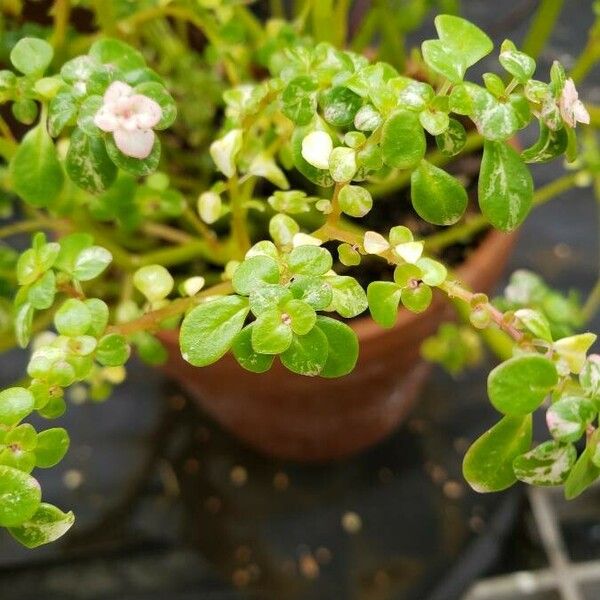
[105,16]
[62,12]
[589,56]
[594,111]
[239,232]
[593,300]
[151,320]
[33,225]
[542,26]
[323,28]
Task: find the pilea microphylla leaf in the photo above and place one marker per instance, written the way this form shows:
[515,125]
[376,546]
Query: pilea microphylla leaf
[247,357]
[46,525]
[35,169]
[307,354]
[20,496]
[547,464]
[253,272]
[460,46]
[488,463]
[519,385]
[209,329]
[343,349]
[582,475]
[384,298]
[505,186]
[403,140]
[568,418]
[437,197]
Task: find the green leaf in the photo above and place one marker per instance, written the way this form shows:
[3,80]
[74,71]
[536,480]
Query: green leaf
[355,200]
[99,313]
[88,164]
[582,475]
[310,260]
[403,140]
[496,120]
[453,139]
[72,318]
[550,144]
[31,55]
[433,273]
[460,46]
[487,465]
[271,333]
[383,298]
[113,350]
[520,65]
[87,112]
[568,418]
[135,166]
[254,272]
[302,315]
[349,298]
[157,92]
[46,525]
[299,100]
[505,186]
[342,164]
[41,293]
[519,385]
[535,322]
[35,169]
[315,291]
[113,52]
[307,354]
[20,496]
[52,445]
[15,404]
[91,262]
[246,356]
[437,197]
[435,122]
[589,377]
[340,105]
[343,347]
[417,299]
[209,329]
[547,464]
[23,323]
[25,111]
[70,248]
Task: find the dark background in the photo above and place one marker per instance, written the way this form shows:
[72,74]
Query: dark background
[164,511]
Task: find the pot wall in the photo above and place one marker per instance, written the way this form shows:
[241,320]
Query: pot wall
[313,419]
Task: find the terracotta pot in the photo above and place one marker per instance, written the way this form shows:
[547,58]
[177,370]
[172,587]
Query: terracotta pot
[312,419]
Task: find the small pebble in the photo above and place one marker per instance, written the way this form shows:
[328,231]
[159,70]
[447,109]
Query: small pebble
[351,522]
[73,479]
[281,481]
[238,476]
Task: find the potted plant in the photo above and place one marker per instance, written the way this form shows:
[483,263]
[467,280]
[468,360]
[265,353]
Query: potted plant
[336,188]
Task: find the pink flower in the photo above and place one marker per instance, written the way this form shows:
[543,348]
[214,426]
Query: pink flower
[571,107]
[130,118]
